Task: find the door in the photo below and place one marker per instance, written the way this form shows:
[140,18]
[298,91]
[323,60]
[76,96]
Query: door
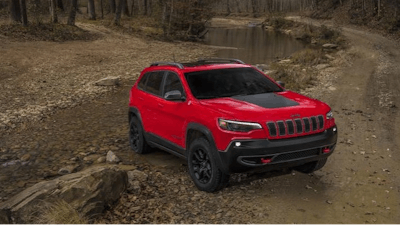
[172,113]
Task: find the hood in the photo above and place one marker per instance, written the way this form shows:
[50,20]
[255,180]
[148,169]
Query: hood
[267,106]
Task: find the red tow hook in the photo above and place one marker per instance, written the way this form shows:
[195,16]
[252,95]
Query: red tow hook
[326,150]
[265,160]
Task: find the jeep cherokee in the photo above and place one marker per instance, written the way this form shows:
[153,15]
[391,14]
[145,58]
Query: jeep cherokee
[224,116]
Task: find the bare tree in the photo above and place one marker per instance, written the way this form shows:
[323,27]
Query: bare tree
[15,11]
[117,18]
[91,9]
[60,5]
[112,6]
[53,11]
[23,13]
[72,12]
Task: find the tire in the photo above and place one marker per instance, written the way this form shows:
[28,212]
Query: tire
[203,168]
[311,166]
[136,139]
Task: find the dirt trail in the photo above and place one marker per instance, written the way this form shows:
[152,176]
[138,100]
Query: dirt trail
[358,185]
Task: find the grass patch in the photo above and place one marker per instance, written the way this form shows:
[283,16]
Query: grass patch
[60,212]
[45,32]
[309,57]
[295,77]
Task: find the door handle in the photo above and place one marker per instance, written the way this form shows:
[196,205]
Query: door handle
[140,98]
[160,105]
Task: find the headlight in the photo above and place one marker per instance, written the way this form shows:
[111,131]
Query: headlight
[238,126]
[329,115]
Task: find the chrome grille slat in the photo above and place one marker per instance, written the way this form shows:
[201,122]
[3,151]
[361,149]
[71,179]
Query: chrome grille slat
[297,126]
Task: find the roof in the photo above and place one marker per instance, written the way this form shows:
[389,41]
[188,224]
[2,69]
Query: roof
[202,64]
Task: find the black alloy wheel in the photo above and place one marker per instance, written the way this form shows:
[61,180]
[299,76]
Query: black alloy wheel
[202,165]
[136,138]
[203,168]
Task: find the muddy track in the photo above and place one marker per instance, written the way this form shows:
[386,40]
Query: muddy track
[358,185]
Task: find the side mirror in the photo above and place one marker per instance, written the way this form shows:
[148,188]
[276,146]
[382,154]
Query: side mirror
[281,83]
[174,95]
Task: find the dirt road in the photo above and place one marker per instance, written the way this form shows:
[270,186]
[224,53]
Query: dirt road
[358,184]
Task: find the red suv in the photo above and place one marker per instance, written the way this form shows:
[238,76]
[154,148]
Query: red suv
[225,117]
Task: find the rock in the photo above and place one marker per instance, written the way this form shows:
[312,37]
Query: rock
[322,66]
[112,158]
[25,157]
[67,170]
[109,81]
[101,159]
[284,61]
[329,57]
[89,192]
[330,46]
[137,175]
[331,88]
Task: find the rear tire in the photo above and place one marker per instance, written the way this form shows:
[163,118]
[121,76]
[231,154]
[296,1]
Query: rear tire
[311,166]
[136,138]
[203,168]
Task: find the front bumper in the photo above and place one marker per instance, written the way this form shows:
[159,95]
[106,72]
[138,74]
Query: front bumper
[267,155]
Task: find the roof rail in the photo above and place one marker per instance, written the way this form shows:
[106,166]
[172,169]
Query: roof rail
[216,60]
[179,65]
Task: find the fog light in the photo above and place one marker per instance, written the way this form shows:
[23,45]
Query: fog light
[334,129]
[238,144]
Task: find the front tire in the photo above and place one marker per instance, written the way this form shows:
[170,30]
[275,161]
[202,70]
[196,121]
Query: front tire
[136,138]
[203,168]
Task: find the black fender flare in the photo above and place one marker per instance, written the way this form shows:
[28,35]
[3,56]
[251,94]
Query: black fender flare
[204,130]
[134,110]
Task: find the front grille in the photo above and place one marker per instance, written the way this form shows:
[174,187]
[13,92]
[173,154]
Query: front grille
[272,129]
[282,129]
[297,155]
[297,126]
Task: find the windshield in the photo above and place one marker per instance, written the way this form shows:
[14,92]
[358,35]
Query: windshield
[229,82]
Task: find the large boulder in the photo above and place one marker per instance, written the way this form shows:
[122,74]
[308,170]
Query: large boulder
[89,192]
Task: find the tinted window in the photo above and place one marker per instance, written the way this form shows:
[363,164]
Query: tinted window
[229,82]
[172,83]
[142,82]
[154,81]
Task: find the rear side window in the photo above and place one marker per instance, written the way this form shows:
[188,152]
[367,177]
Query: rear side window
[142,82]
[153,83]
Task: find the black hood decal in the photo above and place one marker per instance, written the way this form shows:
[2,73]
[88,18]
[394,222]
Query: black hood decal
[267,100]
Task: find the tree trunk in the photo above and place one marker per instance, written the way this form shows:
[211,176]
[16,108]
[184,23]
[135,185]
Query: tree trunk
[117,18]
[112,6]
[228,8]
[91,9]
[101,9]
[15,11]
[125,8]
[145,7]
[133,8]
[72,12]
[60,5]
[253,6]
[53,11]
[170,17]
[23,13]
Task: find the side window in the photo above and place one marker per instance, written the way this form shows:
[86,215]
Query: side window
[173,83]
[154,81]
[142,82]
